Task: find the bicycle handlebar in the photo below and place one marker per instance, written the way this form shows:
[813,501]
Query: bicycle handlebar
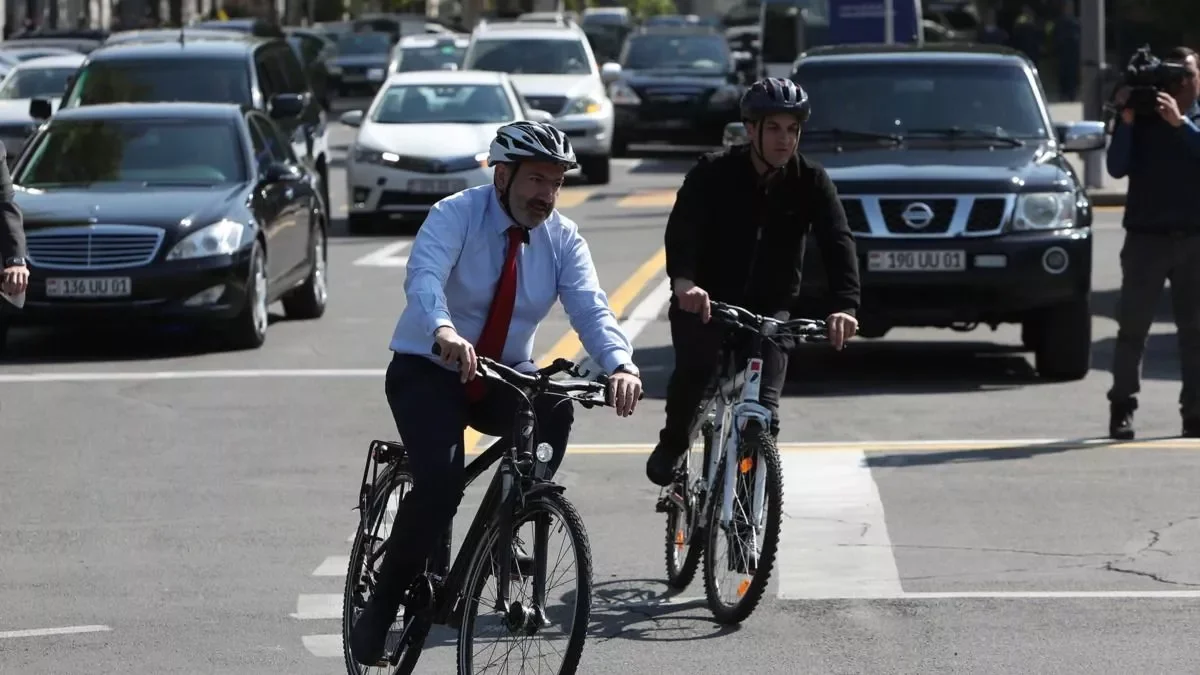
[541,382]
[807,330]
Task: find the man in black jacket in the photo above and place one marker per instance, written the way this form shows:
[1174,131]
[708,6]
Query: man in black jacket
[14,273]
[736,235]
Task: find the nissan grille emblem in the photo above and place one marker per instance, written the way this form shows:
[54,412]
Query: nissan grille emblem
[917,215]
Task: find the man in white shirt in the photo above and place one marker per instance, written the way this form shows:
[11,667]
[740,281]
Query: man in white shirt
[484,271]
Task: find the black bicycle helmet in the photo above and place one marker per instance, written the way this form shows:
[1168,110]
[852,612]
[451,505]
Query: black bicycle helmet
[775,95]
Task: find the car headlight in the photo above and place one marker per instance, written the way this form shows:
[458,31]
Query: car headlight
[585,105]
[725,96]
[1044,211]
[335,70]
[623,94]
[221,238]
[365,155]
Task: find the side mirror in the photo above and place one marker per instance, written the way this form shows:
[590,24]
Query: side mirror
[735,134]
[285,106]
[1081,136]
[40,109]
[610,72]
[352,118]
[541,116]
[278,172]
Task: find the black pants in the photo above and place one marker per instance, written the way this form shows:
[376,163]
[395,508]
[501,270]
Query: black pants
[1147,262]
[697,360]
[432,412]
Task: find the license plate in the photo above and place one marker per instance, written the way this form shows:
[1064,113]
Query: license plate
[437,187]
[88,287]
[375,74]
[917,261]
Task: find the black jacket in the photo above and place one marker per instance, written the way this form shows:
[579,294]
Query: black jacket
[745,246]
[12,229]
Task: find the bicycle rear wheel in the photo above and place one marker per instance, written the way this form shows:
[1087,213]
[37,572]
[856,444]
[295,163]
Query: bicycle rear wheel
[744,549]
[383,504]
[524,617]
[683,505]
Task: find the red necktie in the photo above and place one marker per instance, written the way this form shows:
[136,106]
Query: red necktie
[495,329]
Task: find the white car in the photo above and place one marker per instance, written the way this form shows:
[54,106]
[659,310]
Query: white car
[428,52]
[44,77]
[553,68]
[426,136]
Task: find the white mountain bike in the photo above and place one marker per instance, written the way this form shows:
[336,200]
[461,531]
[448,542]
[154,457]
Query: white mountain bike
[744,471]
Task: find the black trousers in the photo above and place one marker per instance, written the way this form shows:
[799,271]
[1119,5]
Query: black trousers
[697,360]
[431,411]
[1147,262]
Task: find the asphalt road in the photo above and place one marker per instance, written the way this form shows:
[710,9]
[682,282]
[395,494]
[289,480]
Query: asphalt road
[176,510]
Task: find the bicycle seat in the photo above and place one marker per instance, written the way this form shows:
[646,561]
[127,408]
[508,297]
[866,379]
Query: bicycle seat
[386,452]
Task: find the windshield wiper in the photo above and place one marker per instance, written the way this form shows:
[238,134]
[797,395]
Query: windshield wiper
[974,134]
[838,133]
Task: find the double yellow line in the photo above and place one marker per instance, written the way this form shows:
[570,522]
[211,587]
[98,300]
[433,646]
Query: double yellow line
[569,347]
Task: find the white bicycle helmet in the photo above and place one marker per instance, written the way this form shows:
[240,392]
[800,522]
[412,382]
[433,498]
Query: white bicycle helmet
[531,140]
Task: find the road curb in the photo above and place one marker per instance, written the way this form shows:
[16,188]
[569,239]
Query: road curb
[1106,198]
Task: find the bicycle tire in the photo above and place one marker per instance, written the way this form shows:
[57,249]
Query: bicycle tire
[480,570]
[757,443]
[681,569]
[388,482]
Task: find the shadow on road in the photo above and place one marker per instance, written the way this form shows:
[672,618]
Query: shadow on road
[869,368]
[1104,303]
[633,609]
[889,460]
[31,345]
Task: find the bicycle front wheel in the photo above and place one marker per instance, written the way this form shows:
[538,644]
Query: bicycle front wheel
[741,553]
[558,538]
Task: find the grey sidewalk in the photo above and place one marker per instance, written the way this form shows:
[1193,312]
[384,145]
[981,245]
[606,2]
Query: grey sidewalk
[1113,191]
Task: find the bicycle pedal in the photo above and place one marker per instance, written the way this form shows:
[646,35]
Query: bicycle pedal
[663,506]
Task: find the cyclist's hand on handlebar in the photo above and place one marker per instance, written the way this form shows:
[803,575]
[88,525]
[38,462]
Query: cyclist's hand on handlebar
[624,390]
[693,299]
[840,327]
[455,349]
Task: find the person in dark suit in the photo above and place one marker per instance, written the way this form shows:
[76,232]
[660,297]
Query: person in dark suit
[14,272]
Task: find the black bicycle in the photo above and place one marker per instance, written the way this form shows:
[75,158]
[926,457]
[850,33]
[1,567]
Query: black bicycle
[739,469]
[520,493]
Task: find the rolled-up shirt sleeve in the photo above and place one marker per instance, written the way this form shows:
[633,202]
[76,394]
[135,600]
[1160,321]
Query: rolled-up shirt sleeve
[433,255]
[587,307]
[12,230]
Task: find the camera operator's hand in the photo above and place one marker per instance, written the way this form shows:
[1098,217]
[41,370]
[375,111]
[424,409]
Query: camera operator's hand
[1120,98]
[1168,109]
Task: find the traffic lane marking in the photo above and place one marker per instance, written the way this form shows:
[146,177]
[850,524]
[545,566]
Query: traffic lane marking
[917,447]
[648,199]
[44,632]
[386,256]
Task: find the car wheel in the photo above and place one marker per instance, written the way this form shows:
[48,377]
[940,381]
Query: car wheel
[1063,341]
[323,172]
[248,330]
[597,169]
[309,299]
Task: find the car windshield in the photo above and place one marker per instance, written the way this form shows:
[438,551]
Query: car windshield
[187,151]
[194,80]
[35,83]
[899,97]
[362,44]
[443,104]
[677,52]
[435,57]
[529,57]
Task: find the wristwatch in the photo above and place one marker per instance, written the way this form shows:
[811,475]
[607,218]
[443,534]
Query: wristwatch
[15,261]
[628,368]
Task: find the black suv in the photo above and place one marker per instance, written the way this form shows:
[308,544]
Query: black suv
[963,205]
[264,74]
[674,84]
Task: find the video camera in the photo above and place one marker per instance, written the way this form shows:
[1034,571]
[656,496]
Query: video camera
[1146,75]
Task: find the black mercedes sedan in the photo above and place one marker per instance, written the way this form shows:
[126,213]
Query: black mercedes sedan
[175,212]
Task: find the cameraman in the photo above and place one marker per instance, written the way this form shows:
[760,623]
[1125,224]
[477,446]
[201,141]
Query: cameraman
[1159,150]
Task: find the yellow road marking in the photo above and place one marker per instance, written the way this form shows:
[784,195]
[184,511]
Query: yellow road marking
[569,198]
[916,447]
[568,346]
[1109,209]
[650,199]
